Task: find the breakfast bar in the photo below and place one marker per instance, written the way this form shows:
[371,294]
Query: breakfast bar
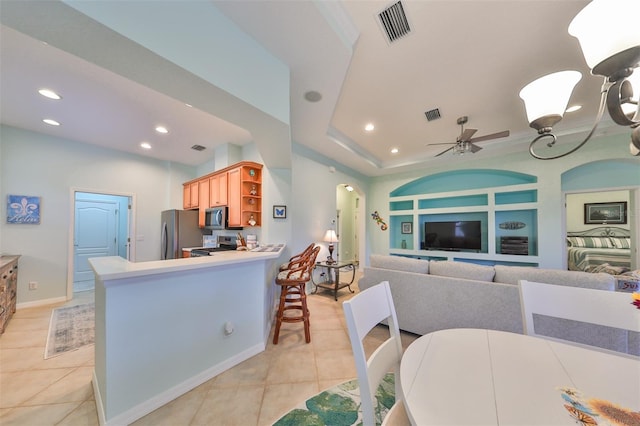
[163,328]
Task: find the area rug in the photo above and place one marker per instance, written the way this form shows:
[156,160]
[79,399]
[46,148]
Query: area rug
[70,328]
[340,406]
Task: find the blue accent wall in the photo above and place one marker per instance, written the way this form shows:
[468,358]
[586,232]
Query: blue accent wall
[460,180]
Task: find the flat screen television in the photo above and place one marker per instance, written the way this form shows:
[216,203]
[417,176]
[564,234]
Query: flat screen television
[455,235]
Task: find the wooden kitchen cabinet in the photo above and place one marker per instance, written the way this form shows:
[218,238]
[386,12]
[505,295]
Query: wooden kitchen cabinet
[238,186]
[203,200]
[218,190]
[245,195]
[234,216]
[190,195]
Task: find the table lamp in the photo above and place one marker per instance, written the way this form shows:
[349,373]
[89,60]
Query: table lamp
[330,237]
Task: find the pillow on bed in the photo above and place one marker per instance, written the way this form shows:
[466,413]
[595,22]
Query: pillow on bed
[590,242]
[621,242]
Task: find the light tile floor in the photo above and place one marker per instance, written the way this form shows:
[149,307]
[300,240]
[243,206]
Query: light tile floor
[58,391]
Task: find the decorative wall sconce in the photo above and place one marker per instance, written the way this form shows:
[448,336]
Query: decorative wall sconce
[609,35]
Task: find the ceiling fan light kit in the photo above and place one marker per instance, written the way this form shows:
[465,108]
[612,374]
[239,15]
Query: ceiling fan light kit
[465,142]
[609,37]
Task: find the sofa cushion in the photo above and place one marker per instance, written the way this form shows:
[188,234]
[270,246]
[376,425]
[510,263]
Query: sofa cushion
[469,271]
[511,275]
[398,263]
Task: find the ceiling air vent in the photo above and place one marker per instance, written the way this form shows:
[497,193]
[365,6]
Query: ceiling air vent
[394,22]
[432,114]
[198,147]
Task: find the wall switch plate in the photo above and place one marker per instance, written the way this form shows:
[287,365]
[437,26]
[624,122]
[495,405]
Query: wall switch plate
[33,285]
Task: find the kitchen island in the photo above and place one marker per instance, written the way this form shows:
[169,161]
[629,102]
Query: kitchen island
[164,327]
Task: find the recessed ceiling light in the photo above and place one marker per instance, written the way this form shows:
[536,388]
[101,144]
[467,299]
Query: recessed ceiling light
[161,129]
[573,108]
[145,145]
[189,105]
[369,127]
[51,122]
[47,93]
[348,188]
[394,150]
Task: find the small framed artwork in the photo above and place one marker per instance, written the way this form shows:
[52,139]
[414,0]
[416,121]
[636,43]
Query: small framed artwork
[407,227]
[605,213]
[279,212]
[23,209]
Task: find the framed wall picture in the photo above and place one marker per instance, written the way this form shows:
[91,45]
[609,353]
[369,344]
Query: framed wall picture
[279,212]
[23,209]
[605,213]
[407,227]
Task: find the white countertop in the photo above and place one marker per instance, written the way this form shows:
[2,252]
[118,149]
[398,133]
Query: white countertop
[115,267]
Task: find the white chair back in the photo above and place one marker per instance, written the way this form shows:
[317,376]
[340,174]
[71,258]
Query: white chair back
[601,307]
[363,312]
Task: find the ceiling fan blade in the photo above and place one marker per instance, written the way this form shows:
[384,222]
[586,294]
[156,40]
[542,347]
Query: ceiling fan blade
[467,134]
[443,143]
[446,150]
[474,148]
[503,134]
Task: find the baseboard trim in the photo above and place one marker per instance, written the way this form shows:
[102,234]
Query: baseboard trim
[42,302]
[169,395]
[98,398]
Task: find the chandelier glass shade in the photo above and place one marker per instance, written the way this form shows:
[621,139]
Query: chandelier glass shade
[609,35]
[546,98]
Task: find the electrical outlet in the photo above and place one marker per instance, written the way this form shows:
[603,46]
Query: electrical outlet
[33,285]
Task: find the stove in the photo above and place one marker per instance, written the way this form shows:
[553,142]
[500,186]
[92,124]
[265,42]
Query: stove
[225,243]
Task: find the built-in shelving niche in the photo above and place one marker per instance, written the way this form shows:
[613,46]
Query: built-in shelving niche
[504,202]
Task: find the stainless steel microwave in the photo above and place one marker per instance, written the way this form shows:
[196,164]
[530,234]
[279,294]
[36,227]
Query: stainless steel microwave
[216,217]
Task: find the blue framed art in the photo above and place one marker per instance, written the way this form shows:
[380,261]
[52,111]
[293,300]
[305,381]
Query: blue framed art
[279,212]
[23,209]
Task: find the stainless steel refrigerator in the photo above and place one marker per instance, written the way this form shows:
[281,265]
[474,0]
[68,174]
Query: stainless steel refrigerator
[179,230]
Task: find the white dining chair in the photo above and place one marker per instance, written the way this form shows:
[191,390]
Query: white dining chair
[363,312]
[601,307]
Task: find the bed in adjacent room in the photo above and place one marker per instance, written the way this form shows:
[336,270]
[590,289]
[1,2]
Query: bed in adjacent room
[601,249]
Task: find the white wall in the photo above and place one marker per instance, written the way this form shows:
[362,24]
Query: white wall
[576,202]
[44,166]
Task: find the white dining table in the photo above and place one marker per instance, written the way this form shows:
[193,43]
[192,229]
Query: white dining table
[488,377]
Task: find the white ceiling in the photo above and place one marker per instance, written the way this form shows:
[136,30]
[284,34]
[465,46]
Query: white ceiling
[464,57]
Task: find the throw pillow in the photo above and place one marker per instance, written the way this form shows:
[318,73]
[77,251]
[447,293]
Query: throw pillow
[590,242]
[621,242]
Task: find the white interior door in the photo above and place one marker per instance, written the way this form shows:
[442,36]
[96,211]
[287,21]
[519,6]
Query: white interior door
[95,234]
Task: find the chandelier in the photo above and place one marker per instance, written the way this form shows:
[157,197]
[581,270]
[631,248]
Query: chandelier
[609,35]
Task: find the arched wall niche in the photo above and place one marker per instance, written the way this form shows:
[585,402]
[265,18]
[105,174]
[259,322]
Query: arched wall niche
[493,211]
[460,180]
[600,174]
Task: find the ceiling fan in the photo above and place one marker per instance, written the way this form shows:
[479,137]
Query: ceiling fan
[465,142]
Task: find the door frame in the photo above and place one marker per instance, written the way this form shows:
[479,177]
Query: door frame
[632,216]
[72,222]
[359,224]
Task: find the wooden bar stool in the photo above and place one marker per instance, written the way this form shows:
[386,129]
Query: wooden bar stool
[297,259]
[293,296]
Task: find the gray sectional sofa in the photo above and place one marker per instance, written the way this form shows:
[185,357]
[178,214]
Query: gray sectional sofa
[435,295]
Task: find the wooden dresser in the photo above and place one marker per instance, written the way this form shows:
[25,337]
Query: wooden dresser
[8,288]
